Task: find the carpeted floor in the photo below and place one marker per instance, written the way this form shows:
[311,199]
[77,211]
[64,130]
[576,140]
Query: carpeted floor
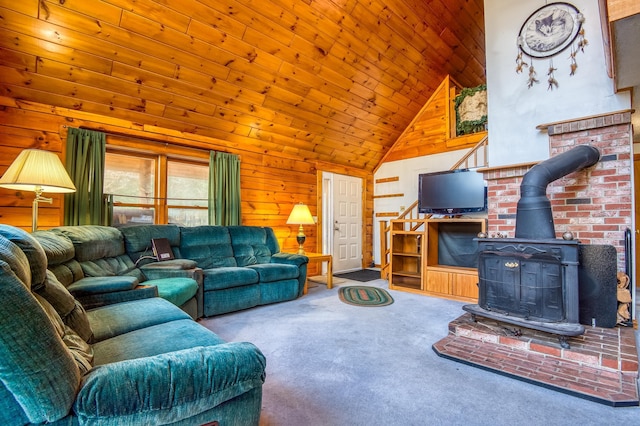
[330,363]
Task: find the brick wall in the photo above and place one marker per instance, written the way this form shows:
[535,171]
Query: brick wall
[594,204]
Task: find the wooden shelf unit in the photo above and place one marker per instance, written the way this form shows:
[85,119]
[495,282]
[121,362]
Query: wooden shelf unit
[414,260]
[408,239]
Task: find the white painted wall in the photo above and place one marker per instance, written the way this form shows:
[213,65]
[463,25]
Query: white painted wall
[407,172]
[514,109]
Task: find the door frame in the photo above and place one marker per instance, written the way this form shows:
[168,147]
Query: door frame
[325,209]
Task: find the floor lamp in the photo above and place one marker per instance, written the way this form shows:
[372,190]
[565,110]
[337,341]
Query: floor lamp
[300,215]
[38,171]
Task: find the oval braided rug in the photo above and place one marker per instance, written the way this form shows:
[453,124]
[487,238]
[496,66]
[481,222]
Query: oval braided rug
[365,296]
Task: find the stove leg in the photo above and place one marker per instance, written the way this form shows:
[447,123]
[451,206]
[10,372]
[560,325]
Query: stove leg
[563,342]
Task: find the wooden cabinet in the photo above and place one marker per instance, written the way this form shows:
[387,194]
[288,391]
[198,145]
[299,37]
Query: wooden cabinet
[435,257]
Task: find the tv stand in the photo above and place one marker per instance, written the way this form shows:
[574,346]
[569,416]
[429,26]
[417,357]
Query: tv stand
[418,266]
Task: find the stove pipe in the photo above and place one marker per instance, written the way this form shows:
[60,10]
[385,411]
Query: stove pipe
[534,219]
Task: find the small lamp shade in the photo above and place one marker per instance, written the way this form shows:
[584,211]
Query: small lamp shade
[300,215]
[35,170]
[38,171]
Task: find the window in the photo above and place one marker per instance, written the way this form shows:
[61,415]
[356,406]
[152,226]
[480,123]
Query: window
[156,189]
[187,193]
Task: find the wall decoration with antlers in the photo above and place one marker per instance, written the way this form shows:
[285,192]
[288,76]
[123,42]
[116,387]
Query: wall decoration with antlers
[544,34]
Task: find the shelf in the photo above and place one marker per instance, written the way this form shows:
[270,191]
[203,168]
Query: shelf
[406,274]
[415,257]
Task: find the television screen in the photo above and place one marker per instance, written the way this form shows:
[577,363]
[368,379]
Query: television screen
[452,192]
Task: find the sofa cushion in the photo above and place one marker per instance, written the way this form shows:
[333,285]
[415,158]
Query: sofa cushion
[164,389]
[176,290]
[36,257]
[97,285]
[70,310]
[120,318]
[36,366]
[78,348]
[153,340]
[209,246]
[270,272]
[99,250]
[110,266]
[93,241]
[67,272]
[278,291]
[250,245]
[231,299]
[137,239]
[218,278]
[57,247]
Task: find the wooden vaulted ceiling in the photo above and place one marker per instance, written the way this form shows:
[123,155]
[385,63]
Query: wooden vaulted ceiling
[321,80]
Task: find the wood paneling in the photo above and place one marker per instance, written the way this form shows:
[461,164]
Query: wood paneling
[431,130]
[327,81]
[294,87]
[272,183]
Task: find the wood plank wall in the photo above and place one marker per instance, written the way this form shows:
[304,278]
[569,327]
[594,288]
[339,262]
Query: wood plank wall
[336,81]
[271,183]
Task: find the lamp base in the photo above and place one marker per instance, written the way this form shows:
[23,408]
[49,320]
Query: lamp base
[34,209]
[300,239]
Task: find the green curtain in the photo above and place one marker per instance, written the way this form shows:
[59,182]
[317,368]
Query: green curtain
[85,164]
[224,189]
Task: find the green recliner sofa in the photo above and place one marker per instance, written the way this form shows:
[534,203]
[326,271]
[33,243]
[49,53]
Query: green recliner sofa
[242,266]
[138,362]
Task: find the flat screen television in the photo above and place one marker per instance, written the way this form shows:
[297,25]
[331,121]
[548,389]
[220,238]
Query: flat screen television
[452,192]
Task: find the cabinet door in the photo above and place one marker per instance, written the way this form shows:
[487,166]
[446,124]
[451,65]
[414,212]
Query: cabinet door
[465,285]
[438,282]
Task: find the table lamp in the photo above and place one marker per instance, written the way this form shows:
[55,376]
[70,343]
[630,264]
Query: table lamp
[38,171]
[300,215]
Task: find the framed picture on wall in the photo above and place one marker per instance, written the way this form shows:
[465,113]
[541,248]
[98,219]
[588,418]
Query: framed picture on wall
[549,30]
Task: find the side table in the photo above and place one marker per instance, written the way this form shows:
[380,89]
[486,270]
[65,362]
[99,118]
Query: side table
[319,257]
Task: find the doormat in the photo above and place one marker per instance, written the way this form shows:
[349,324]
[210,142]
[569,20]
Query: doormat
[362,275]
[365,296]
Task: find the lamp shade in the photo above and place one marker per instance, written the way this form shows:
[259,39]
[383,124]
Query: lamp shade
[37,170]
[300,215]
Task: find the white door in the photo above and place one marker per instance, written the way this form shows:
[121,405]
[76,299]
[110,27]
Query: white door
[347,223]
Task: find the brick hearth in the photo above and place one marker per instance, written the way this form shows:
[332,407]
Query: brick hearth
[601,365]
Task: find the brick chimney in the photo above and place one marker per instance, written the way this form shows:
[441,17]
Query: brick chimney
[595,205]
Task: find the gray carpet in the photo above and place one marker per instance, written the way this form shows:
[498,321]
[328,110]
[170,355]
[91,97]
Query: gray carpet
[329,363]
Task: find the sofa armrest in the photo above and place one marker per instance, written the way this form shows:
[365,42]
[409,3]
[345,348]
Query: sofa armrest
[93,292]
[170,387]
[98,285]
[290,259]
[170,264]
[298,260]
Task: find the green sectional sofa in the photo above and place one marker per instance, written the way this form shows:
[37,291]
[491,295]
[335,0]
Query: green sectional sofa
[216,270]
[91,262]
[142,361]
[242,266]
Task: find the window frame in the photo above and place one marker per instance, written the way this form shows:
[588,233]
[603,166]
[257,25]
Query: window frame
[160,202]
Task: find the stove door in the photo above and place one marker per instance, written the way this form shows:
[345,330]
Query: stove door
[499,281]
[524,285]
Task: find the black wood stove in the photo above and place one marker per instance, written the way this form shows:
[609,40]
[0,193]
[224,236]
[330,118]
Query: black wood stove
[532,280]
